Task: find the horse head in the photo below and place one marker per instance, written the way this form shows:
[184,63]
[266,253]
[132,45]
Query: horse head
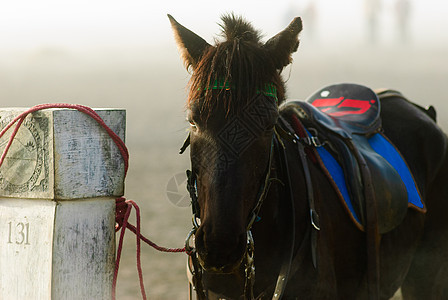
[232,108]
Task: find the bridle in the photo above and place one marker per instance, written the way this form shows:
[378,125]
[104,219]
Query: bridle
[282,132]
[253,216]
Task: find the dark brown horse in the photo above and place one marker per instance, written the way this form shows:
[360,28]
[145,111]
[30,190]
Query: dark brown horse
[258,193]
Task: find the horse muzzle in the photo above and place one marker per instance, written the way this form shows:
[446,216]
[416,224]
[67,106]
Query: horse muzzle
[220,253]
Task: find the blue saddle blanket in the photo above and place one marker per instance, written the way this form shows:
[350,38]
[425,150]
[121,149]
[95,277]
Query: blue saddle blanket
[383,147]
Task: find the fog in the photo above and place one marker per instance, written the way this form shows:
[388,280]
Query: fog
[92,25]
[122,54]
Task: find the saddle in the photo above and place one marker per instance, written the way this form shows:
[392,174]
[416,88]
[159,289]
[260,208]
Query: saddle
[360,162]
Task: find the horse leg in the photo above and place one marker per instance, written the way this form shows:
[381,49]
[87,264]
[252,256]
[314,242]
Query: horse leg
[428,275]
[396,255]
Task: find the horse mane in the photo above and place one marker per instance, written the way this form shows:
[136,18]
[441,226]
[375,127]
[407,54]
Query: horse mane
[239,62]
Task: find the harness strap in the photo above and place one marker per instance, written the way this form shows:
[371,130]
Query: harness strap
[292,261]
[314,217]
[289,242]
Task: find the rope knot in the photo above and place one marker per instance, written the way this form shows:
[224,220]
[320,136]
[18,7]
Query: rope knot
[120,212]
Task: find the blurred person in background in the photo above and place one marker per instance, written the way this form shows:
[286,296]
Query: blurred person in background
[402,13]
[310,19]
[372,9]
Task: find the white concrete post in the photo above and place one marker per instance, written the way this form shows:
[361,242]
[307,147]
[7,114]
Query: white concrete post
[58,186]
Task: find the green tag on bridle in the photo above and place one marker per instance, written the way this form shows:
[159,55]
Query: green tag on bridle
[269,90]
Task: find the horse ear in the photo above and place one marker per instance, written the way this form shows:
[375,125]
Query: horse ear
[191,46]
[286,42]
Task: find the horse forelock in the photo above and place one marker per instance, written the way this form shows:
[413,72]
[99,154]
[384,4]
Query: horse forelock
[239,62]
[235,27]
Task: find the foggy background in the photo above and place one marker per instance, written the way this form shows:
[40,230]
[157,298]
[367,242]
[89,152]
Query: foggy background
[121,54]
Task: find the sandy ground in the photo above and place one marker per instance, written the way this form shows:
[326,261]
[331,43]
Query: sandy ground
[151,87]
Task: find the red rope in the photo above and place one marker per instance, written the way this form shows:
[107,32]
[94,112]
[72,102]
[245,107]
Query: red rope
[120,215]
[123,206]
[123,224]
[123,210]
[87,110]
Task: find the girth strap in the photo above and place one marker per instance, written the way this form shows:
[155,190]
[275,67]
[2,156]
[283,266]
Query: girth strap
[371,228]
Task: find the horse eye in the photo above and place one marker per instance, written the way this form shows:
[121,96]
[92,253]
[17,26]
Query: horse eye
[191,120]
[192,123]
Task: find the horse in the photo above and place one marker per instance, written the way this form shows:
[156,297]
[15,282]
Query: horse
[268,221]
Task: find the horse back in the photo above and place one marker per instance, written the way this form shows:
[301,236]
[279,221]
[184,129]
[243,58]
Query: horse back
[413,130]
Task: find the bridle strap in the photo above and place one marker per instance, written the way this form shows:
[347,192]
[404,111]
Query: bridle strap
[185,145]
[249,269]
[263,189]
[195,271]
[192,190]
